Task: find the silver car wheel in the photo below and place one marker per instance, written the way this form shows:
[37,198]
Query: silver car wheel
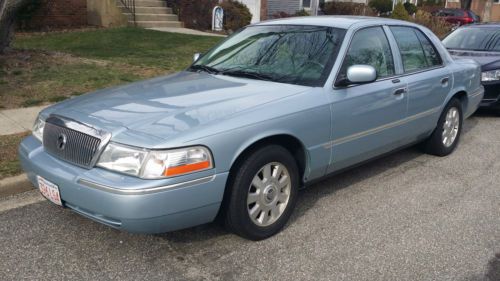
[268,194]
[451,127]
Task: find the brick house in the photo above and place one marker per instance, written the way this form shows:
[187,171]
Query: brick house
[106,13]
[59,13]
[488,10]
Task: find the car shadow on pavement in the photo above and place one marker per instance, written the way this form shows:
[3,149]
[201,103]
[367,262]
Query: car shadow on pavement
[327,187]
[310,195]
[492,271]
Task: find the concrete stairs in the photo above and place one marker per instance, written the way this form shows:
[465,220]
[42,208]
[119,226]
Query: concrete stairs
[151,14]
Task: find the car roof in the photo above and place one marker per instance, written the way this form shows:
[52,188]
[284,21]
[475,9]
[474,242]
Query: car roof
[344,22]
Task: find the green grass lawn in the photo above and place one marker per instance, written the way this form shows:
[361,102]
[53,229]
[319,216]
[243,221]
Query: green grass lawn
[9,164]
[135,46]
[51,67]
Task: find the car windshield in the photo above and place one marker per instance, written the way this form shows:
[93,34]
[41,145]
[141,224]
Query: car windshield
[474,39]
[301,55]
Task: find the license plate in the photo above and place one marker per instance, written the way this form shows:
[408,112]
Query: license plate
[49,190]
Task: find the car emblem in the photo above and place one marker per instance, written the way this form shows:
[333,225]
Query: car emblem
[61,141]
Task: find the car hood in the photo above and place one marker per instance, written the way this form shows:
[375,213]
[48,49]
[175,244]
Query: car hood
[168,105]
[487,60]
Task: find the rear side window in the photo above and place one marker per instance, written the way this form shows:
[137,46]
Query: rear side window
[417,52]
[431,54]
[370,46]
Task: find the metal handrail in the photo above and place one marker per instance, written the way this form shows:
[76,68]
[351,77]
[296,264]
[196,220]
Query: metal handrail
[130,6]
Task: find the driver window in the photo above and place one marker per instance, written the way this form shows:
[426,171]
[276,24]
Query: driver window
[369,46]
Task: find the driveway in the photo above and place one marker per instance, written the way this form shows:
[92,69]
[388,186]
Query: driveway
[407,216]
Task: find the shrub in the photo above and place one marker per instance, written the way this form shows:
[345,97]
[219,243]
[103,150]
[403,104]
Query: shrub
[435,24]
[279,15]
[381,6]
[301,13]
[400,12]
[236,15]
[195,14]
[410,8]
[27,12]
[347,8]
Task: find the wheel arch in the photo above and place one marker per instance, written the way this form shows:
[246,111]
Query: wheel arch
[464,99]
[288,141]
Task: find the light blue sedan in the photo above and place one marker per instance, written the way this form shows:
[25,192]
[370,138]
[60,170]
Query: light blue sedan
[274,107]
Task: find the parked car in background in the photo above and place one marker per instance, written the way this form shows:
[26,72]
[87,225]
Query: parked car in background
[457,17]
[480,42]
[276,106]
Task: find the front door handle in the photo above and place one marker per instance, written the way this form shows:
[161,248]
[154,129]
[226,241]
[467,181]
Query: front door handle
[400,91]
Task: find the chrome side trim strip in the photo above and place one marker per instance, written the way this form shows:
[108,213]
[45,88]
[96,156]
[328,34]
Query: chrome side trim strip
[477,93]
[381,128]
[142,191]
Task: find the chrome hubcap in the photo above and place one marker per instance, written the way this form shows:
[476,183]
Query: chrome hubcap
[451,126]
[268,194]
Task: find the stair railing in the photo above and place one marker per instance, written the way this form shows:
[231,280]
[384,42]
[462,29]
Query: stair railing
[130,6]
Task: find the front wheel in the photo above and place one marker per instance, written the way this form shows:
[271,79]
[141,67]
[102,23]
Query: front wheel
[263,192]
[446,136]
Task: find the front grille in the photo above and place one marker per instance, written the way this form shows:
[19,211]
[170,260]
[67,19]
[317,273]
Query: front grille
[70,145]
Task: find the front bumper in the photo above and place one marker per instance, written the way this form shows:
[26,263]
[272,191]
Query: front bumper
[491,95]
[124,202]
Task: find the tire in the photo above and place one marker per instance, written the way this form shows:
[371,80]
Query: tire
[441,143]
[262,197]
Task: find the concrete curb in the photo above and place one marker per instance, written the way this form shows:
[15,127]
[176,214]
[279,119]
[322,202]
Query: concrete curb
[15,185]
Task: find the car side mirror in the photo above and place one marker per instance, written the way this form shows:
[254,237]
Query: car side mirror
[196,57]
[360,74]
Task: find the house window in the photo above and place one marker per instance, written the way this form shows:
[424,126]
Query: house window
[496,1]
[306,4]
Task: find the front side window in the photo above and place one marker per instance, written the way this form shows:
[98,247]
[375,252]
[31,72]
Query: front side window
[369,46]
[302,55]
[411,50]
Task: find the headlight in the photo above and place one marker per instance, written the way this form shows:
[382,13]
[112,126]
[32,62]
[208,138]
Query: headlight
[493,75]
[38,129]
[154,164]
[122,158]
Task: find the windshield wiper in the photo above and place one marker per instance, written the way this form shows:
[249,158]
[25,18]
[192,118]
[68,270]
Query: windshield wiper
[247,74]
[206,68]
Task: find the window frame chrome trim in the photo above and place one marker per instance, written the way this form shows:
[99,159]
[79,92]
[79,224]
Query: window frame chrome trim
[395,53]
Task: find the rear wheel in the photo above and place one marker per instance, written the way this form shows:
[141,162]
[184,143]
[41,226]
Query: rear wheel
[446,136]
[263,193]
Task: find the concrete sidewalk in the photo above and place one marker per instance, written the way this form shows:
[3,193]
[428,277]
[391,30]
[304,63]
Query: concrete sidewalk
[13,121]
[186,31]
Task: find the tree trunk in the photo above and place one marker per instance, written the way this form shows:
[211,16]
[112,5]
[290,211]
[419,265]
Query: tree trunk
[8,12]
[465,4]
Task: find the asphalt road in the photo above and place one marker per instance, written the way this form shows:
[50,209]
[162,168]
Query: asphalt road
[407,216]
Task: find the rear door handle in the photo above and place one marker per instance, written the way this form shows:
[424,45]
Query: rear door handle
[400,91]
[445,80]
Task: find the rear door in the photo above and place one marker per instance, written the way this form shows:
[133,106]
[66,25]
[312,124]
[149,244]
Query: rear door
[429,80]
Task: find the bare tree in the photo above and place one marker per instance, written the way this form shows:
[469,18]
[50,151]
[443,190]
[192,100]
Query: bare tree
[8,12]
[465,4]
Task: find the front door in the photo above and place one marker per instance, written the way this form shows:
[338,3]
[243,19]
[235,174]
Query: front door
[366,119]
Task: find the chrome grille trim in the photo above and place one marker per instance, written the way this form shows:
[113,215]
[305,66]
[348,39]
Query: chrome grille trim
[82,146]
